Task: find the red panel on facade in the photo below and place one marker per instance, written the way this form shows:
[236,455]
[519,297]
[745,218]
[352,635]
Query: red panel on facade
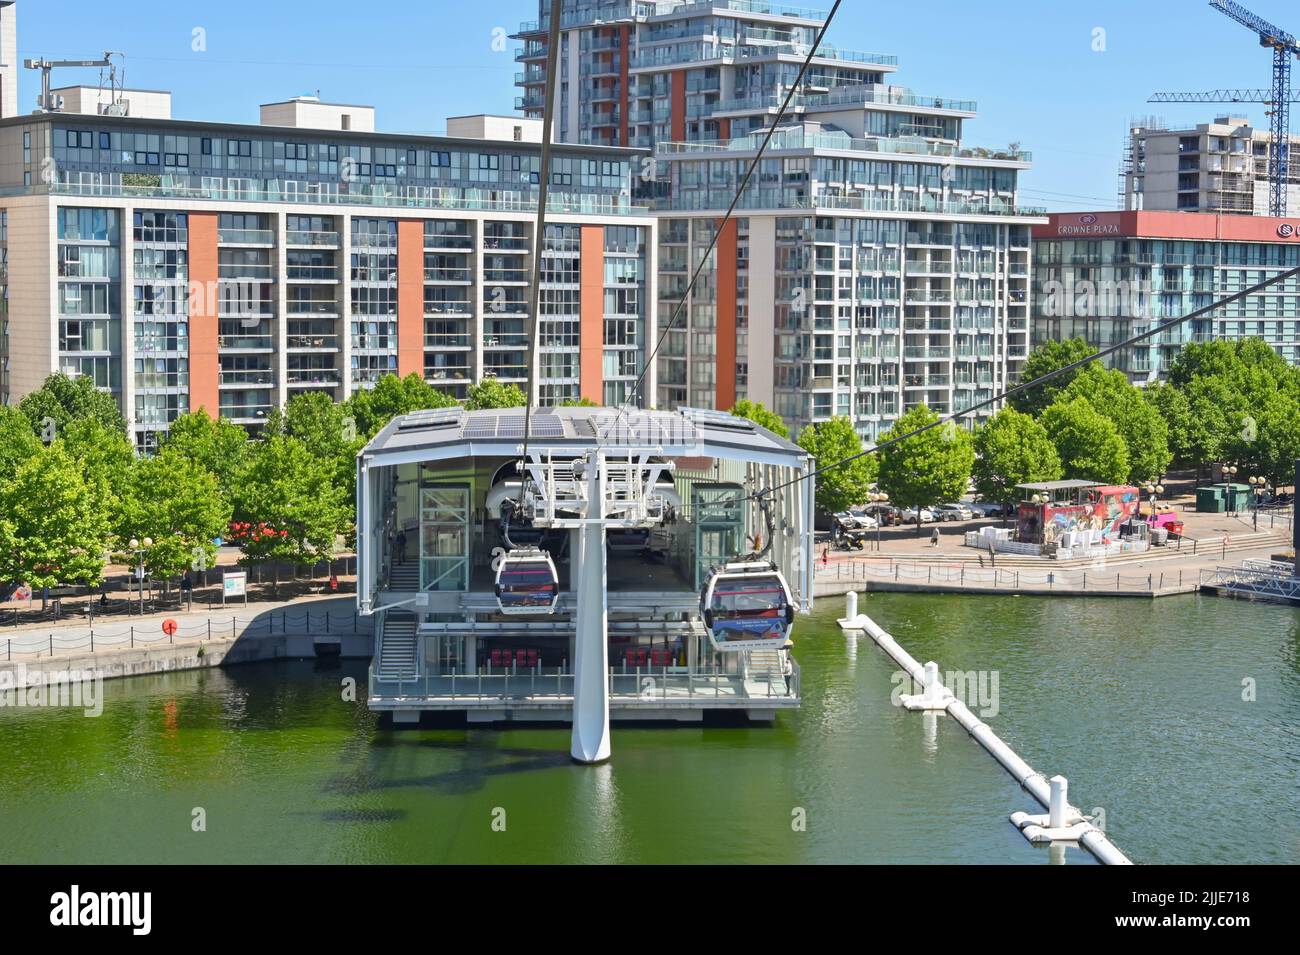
[591,331]
[205,365]
[678,104]
[410,297]
[625,105]
[725,360]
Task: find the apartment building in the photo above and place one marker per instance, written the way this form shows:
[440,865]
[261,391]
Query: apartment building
[876,263]
[1106,276]
[187,265]
[1218,167]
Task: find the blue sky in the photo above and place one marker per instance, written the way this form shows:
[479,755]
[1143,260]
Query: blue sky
[1030,64]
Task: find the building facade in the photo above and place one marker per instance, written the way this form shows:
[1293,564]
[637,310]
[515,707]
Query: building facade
[1107,276]
[187,265]
[875,263]
[1218,167]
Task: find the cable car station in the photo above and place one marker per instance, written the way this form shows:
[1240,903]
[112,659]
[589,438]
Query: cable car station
[624,565]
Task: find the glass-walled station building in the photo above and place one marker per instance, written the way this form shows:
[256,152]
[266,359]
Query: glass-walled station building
[184,265]
[439,511]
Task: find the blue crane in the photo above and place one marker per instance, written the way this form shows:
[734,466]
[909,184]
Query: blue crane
[1283,45]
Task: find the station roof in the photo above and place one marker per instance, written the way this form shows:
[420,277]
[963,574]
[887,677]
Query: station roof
[445,433]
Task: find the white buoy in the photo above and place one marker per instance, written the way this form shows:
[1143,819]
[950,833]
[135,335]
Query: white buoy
[1057,803]
[851,605]
[934,695]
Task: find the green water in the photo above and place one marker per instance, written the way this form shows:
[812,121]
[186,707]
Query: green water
[1138,703]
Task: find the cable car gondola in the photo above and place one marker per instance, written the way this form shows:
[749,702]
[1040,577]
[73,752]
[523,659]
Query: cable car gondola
[747,606]
[527,582]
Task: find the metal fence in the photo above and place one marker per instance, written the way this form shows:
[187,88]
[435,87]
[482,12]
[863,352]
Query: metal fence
[1011,579]
[275,623]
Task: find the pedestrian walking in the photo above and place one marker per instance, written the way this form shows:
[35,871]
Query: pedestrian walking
[401,546]
[934,537]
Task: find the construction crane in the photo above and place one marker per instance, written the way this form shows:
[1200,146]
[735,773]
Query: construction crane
[1221,96]
[1284,46]
[45,102]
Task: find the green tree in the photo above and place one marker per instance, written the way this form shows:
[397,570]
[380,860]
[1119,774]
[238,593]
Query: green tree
[53,527]
[105,457]
[1044,360]
[217,445]
[578,403]
[928,468]
[1146,437]
[1176,410]
[1277,443]
[290,499]
[63,399]
[848,484]
[760,415]
[1088,443]
[177,504]
[1012,449]
[372,408]
[329,432]
[494,393]
[18,443]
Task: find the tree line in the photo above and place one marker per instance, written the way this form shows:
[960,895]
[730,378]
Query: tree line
[1227,401]
[74,493]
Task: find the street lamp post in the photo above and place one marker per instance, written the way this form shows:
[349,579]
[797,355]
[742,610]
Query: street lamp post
[1258,488]
[138,548]
[1153,491]
[1229,472]
[878,498]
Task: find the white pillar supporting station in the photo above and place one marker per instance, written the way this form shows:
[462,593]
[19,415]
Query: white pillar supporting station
[590,740]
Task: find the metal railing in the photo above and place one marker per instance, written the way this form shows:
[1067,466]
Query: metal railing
[554,685]
[1010,579]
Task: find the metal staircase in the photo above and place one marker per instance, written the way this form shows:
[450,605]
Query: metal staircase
[399,648]
[765,673]
[405,576]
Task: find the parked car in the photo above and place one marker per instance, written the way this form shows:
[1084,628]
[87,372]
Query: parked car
[885,514]
[910,516]
[953,512]
[987,508]
[855,518]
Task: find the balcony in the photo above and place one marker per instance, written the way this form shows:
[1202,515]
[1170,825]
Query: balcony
[260,378]
[314,377]
[459,276]
[325,343]
[433,198]
[259,237]
[314,240]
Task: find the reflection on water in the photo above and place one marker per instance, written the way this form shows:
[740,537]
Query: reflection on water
[1138,703]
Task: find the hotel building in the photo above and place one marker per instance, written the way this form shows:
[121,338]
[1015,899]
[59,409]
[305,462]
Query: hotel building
[1106,276]
[187,265]
[876,262]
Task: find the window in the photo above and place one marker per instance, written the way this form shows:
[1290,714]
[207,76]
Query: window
[206,147]
[439,159]
[105,141]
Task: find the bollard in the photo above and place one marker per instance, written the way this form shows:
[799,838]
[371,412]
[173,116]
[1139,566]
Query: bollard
[851,605]
[1057,803]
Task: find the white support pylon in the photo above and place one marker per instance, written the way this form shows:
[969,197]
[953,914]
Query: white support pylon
[590,740]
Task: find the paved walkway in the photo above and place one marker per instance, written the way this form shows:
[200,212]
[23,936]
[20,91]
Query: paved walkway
[1157,573]
[319,616]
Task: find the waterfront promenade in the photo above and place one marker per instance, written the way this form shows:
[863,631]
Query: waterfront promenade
[149,644]
[1159,572]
